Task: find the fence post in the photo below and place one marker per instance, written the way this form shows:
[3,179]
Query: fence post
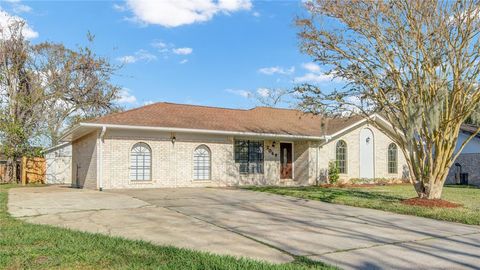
[23,168]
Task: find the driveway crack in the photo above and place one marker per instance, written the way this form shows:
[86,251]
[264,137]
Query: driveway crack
[235,232]
[395,243]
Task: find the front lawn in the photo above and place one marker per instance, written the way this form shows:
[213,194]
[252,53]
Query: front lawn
[388,198]
[27,246]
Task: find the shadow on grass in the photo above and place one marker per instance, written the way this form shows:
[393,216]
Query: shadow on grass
[329,194]
[462,186]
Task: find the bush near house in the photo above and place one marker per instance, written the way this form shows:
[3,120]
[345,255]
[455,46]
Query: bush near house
[29,246]
[333,172]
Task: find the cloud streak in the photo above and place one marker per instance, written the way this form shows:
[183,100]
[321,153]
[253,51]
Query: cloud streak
[174,13]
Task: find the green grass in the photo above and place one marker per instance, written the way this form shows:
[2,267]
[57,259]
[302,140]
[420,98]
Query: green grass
[29,246]
[388,198]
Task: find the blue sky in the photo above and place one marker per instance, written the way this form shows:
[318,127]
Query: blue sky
[203,52]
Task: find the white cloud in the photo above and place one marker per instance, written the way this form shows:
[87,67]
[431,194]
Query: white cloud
[314,77]
[182,51]
[242,93]
[7,19]
[183,61]
[20,8]
[173,13]
[159,44]
[140,55]
[312,67]
[256,14]
[125,97]
[276,70]
[148,102]
[263,92]
[120,8]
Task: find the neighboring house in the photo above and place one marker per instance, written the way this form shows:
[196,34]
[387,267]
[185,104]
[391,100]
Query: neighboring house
[59,164]
[466,168]
[175,145]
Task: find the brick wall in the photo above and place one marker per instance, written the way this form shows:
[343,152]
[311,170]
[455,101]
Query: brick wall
[84,161]
[470,164]
[352,138]
[172,164]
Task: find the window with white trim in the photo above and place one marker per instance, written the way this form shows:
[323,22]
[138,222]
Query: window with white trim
[249,156]
[392,158]
[341,156]
[201,163]
[140,162]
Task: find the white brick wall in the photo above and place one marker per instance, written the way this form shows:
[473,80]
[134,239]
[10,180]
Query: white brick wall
[172,164]
[84,161]
[352,138]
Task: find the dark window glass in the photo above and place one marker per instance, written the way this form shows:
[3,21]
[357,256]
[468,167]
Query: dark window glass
[341,156]
[392,158]
[249,156]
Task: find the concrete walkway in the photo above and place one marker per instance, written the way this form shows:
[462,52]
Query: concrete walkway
[256,225]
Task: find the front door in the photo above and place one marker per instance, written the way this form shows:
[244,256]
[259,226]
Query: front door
[367,167]
[286,165]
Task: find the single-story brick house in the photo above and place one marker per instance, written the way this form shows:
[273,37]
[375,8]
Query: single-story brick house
[177,145]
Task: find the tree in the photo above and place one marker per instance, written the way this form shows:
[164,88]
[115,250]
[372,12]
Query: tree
[76,86]
[44,89]
[414,62]
[271,97]
[20,97]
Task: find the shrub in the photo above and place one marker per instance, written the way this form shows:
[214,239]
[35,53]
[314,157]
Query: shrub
[333,172]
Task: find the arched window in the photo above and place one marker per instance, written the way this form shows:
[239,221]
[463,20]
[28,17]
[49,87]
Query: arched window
[140,162]
[392,158]
[341,156]
[201,163]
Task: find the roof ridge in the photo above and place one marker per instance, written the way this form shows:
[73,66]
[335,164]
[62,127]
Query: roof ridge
[126,111]
[205,106]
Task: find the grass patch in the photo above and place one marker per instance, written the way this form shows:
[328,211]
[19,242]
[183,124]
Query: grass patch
[30,246]
[388,198]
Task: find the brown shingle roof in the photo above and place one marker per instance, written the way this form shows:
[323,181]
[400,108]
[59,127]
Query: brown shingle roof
[258,119]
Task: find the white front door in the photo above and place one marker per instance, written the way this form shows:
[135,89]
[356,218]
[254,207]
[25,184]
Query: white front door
[366,154]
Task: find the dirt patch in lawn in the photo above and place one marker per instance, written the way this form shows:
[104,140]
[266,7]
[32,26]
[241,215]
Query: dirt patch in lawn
[431,203]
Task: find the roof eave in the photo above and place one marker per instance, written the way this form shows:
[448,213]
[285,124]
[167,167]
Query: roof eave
[92,126]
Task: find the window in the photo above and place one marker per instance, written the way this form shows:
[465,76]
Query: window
[341,156]
[392,158]
[201,163]
[249,155]
[140,162]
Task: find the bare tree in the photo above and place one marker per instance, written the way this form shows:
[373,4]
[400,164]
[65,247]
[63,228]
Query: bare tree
[271,97]
[414,62]
[46,88]
[76,86]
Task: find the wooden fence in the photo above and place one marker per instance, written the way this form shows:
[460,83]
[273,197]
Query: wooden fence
[31,170]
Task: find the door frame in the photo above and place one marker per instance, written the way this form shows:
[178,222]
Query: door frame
[293,159]
[374,152]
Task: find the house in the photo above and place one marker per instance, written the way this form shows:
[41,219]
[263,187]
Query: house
[466,168]
[178,145]
[59,164]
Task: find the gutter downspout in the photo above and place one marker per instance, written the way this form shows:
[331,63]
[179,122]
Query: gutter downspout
[327,139]
[100,158]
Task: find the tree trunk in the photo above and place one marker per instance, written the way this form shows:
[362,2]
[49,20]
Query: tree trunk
[429,189]
[11,170]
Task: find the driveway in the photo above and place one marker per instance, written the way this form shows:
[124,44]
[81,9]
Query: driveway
[256,225]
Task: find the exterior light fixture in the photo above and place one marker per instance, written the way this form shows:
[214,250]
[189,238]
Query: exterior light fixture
[173,139]
[368,139]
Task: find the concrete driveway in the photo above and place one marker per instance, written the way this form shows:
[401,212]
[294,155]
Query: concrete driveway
[256,225]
